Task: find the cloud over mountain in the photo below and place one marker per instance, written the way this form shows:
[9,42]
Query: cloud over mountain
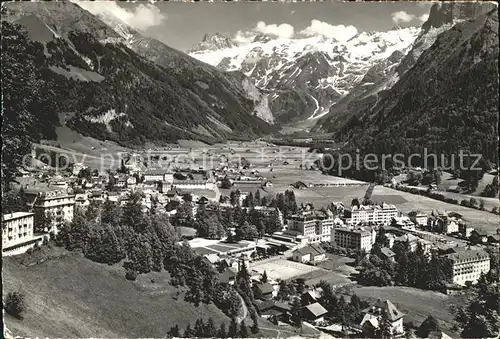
[338,32]
[141,17]
[405,17]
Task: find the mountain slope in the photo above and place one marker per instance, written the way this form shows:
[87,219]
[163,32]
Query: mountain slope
[447,102]
[108,89]
[367,93]
[306,76]
[71,296]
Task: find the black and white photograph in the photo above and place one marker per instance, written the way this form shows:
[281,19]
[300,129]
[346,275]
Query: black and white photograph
[250,169]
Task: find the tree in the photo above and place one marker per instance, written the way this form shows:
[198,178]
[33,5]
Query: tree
[243,329]
[258,199]
[296,314]
[226,183]
[42,221]
[132,212]
[355,202]
[14,304]
[233,329]
[480,318]
[199,328]
[210,330]
[222,333]
[188,332]
[429,325]
[28,100]
[263,279]
[300,285]
[481,204]
[130,275]
[14,201]
[284,291]
[384,329]
[174,331]
[247,232]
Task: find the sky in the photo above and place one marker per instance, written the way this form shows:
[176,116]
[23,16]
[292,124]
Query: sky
[181,25]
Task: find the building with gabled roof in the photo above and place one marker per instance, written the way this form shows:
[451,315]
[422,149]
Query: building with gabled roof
[387,253]
[314,312]
[266,290]
[373,314]
[311,253]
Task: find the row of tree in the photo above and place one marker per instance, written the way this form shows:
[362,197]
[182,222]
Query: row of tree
[209,330]
[409,268]
[146,242]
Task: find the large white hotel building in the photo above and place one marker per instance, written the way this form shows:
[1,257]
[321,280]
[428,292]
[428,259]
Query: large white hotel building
[375,214]
[468,265]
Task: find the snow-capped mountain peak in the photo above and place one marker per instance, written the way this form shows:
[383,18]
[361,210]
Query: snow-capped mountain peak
[214,42]
[316,70]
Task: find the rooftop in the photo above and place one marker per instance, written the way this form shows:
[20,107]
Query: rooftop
[468,255]
[313,249]
[316,309]
[392,312]
[16,215]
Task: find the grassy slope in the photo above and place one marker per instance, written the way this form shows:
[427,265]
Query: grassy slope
[73,297]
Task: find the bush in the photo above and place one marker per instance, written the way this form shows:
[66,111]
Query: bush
[131,275]
[14,304]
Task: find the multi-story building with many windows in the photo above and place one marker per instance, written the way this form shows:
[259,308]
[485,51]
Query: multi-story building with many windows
[468,265]
[375,214]
[17,233]
[316,226]
[349,238]
[57,205]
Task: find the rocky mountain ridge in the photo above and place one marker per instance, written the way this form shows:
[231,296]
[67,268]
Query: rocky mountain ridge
[446,102]
[306,76]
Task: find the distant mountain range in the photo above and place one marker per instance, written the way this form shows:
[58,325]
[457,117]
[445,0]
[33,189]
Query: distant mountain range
[323,85]
[113,83]
[306,76]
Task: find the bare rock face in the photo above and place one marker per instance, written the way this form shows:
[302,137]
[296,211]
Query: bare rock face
[447,13]
[213,43]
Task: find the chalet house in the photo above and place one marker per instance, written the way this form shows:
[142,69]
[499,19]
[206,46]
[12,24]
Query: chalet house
[267,184]
[418,218]
[312,296]
[299,185]
[314,313]
[494,239]
[213,259]
[388,254]
[265,290]
[479,236]
[273,309]
[312,253]
[227,277]
[465,230]
[131,181]
[370,321]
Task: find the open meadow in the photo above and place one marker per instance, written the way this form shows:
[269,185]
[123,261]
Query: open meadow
[80,298]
